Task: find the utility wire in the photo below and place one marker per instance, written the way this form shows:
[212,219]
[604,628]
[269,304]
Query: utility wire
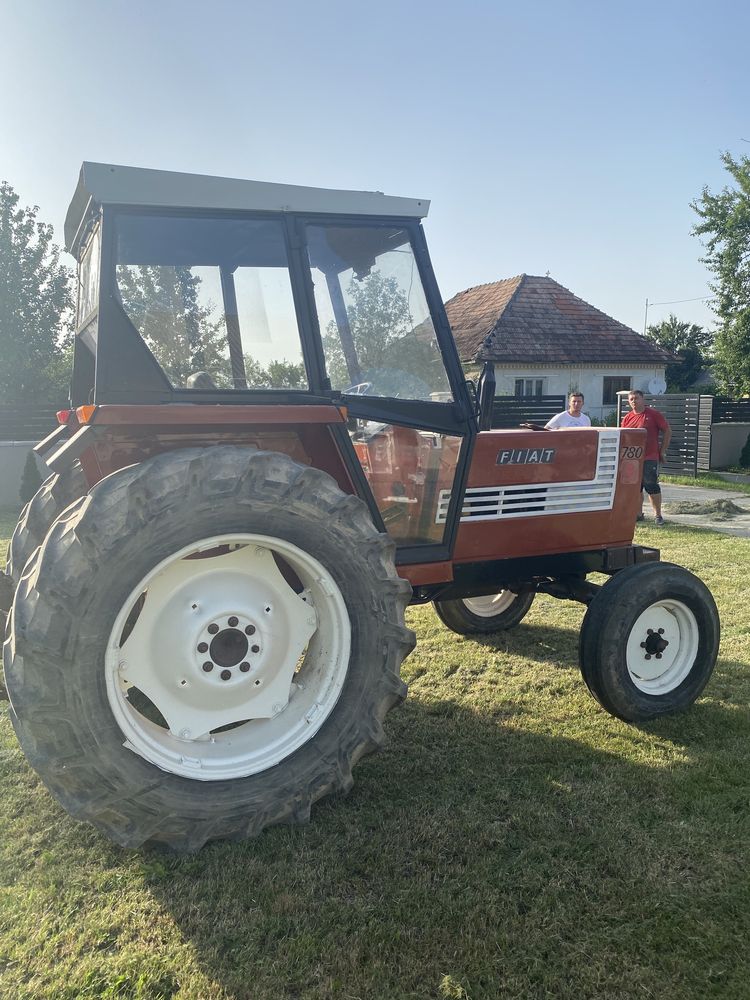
[675,302]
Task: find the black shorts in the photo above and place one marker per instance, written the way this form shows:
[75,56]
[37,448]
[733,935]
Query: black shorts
[650,482]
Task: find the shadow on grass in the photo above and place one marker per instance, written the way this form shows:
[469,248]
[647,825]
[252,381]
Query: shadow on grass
[501,857]
[515,861]
[538,643]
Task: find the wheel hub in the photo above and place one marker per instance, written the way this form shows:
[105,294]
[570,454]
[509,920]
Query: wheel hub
[662,646]
[228,646]
[654,643]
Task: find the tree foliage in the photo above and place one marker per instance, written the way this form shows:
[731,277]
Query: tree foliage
[30,479]
[388,351]
[186,332]
[163,304]
[725,227]
[35,307]
[691,342]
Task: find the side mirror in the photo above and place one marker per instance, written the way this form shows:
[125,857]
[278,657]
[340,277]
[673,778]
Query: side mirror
[486,396]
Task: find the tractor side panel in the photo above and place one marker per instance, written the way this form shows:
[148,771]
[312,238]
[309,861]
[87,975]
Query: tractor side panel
[532,493]
[118,447]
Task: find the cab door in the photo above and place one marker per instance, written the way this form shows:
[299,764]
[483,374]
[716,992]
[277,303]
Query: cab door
[390,358]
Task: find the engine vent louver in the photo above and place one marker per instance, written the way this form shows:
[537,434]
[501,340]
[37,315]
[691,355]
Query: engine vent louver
[490,503]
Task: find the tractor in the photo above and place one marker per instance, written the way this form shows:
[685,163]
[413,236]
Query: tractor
[271,450]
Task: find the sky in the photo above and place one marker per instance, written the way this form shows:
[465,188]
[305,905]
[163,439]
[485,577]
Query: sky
[560,137]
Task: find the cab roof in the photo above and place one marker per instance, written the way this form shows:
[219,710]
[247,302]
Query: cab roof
[110,184]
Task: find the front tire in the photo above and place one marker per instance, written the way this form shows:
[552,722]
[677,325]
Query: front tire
[649,641]
[204,646]
[485,615]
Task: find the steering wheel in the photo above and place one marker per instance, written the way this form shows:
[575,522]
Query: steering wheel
[360,389]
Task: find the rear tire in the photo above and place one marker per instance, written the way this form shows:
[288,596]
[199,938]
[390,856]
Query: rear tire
[484,615]
[55,494]
[300,570]
[649,641]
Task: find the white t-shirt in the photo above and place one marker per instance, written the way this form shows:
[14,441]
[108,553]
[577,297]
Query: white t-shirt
[565,419]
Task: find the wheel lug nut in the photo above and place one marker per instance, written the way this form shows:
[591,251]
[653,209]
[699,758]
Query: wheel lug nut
[213,628]
[647,656]
[643,645]
[649,631]
[244,666]
[202,647]
[233,622]
[255,649]
[208,666]
[226,675]
[661,631]
[250,630]
[658,656]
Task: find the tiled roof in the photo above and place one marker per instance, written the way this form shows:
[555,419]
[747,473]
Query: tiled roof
[530,319]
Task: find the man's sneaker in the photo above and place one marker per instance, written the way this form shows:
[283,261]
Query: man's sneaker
[659,519]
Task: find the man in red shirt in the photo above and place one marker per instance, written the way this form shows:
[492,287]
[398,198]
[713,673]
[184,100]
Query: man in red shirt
[653,422]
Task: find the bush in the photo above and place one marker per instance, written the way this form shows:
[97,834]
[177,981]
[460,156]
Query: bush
[609,421]
[30,480]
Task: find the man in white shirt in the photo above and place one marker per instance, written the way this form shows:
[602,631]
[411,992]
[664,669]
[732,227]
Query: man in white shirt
[572,417]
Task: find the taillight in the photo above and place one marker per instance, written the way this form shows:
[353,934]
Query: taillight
[63,416]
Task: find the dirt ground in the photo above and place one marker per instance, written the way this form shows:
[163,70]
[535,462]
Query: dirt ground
[721,510]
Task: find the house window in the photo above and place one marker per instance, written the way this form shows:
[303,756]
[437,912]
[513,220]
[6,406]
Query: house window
[529,387]
[612,385]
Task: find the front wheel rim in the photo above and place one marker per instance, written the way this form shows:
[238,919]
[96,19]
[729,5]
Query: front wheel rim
[490,606]
[662,647]
[228,656]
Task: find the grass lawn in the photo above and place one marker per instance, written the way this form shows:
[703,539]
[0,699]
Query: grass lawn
[513,840]
[708,480]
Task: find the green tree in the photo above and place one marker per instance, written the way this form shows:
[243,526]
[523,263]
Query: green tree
[279,374]
[725,228]
[164,305]
[691,342]
[30,479]
[35,307]
[286,375]
[187,332]
[388,350]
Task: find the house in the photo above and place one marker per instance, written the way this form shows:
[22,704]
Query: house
[544,340]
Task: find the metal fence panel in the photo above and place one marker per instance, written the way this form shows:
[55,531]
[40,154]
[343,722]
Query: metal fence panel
[682,410]
[27,423]
[731,411]
[511,411]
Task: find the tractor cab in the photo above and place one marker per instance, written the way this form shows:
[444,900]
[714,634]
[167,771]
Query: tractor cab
[210,291]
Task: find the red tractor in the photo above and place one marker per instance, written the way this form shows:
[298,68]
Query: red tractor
[271,451]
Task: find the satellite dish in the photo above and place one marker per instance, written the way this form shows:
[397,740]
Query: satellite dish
[657,386]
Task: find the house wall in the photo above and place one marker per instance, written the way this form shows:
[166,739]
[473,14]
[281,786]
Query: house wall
[588,379]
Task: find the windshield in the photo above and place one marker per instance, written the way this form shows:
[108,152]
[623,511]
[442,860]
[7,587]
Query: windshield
[212,300]
[378,335]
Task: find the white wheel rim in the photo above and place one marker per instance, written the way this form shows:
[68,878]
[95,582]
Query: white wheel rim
[278,658]
[662,647]
[488,607]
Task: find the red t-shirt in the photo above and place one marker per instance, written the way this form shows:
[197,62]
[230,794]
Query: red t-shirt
[653,422]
